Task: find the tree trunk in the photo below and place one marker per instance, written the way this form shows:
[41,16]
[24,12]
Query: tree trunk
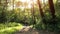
[0,2]
[13,5]
[41,12]
[52,10]
[40,9]
[33,12]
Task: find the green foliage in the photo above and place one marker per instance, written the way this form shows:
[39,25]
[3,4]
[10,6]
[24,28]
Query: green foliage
[9,28]
[49,25]
[25,16]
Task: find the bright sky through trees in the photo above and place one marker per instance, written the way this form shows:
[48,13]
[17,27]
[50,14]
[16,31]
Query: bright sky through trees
[24,2]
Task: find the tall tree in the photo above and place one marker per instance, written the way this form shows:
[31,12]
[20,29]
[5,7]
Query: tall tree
[0,1]
[33,13]
[40,9]
[52,10]
[13,5]
[41,12]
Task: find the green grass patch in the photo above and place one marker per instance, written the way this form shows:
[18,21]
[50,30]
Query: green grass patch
[10,28]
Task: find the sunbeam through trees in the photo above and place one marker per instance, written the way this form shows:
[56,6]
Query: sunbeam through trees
[40,14]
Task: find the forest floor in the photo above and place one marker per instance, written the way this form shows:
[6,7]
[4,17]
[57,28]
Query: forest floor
[29,30]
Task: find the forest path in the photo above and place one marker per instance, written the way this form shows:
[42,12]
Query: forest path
[29,30]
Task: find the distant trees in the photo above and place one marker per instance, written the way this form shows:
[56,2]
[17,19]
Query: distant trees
[17,4]
[3,10]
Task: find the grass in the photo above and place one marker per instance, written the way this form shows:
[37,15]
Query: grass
[10,28]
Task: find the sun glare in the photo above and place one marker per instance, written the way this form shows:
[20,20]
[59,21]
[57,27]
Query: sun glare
[29,2]
[23,0]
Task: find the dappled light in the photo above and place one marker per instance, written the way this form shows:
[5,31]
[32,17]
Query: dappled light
[29,16]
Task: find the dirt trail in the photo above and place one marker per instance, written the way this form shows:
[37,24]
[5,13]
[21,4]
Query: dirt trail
[29,30]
